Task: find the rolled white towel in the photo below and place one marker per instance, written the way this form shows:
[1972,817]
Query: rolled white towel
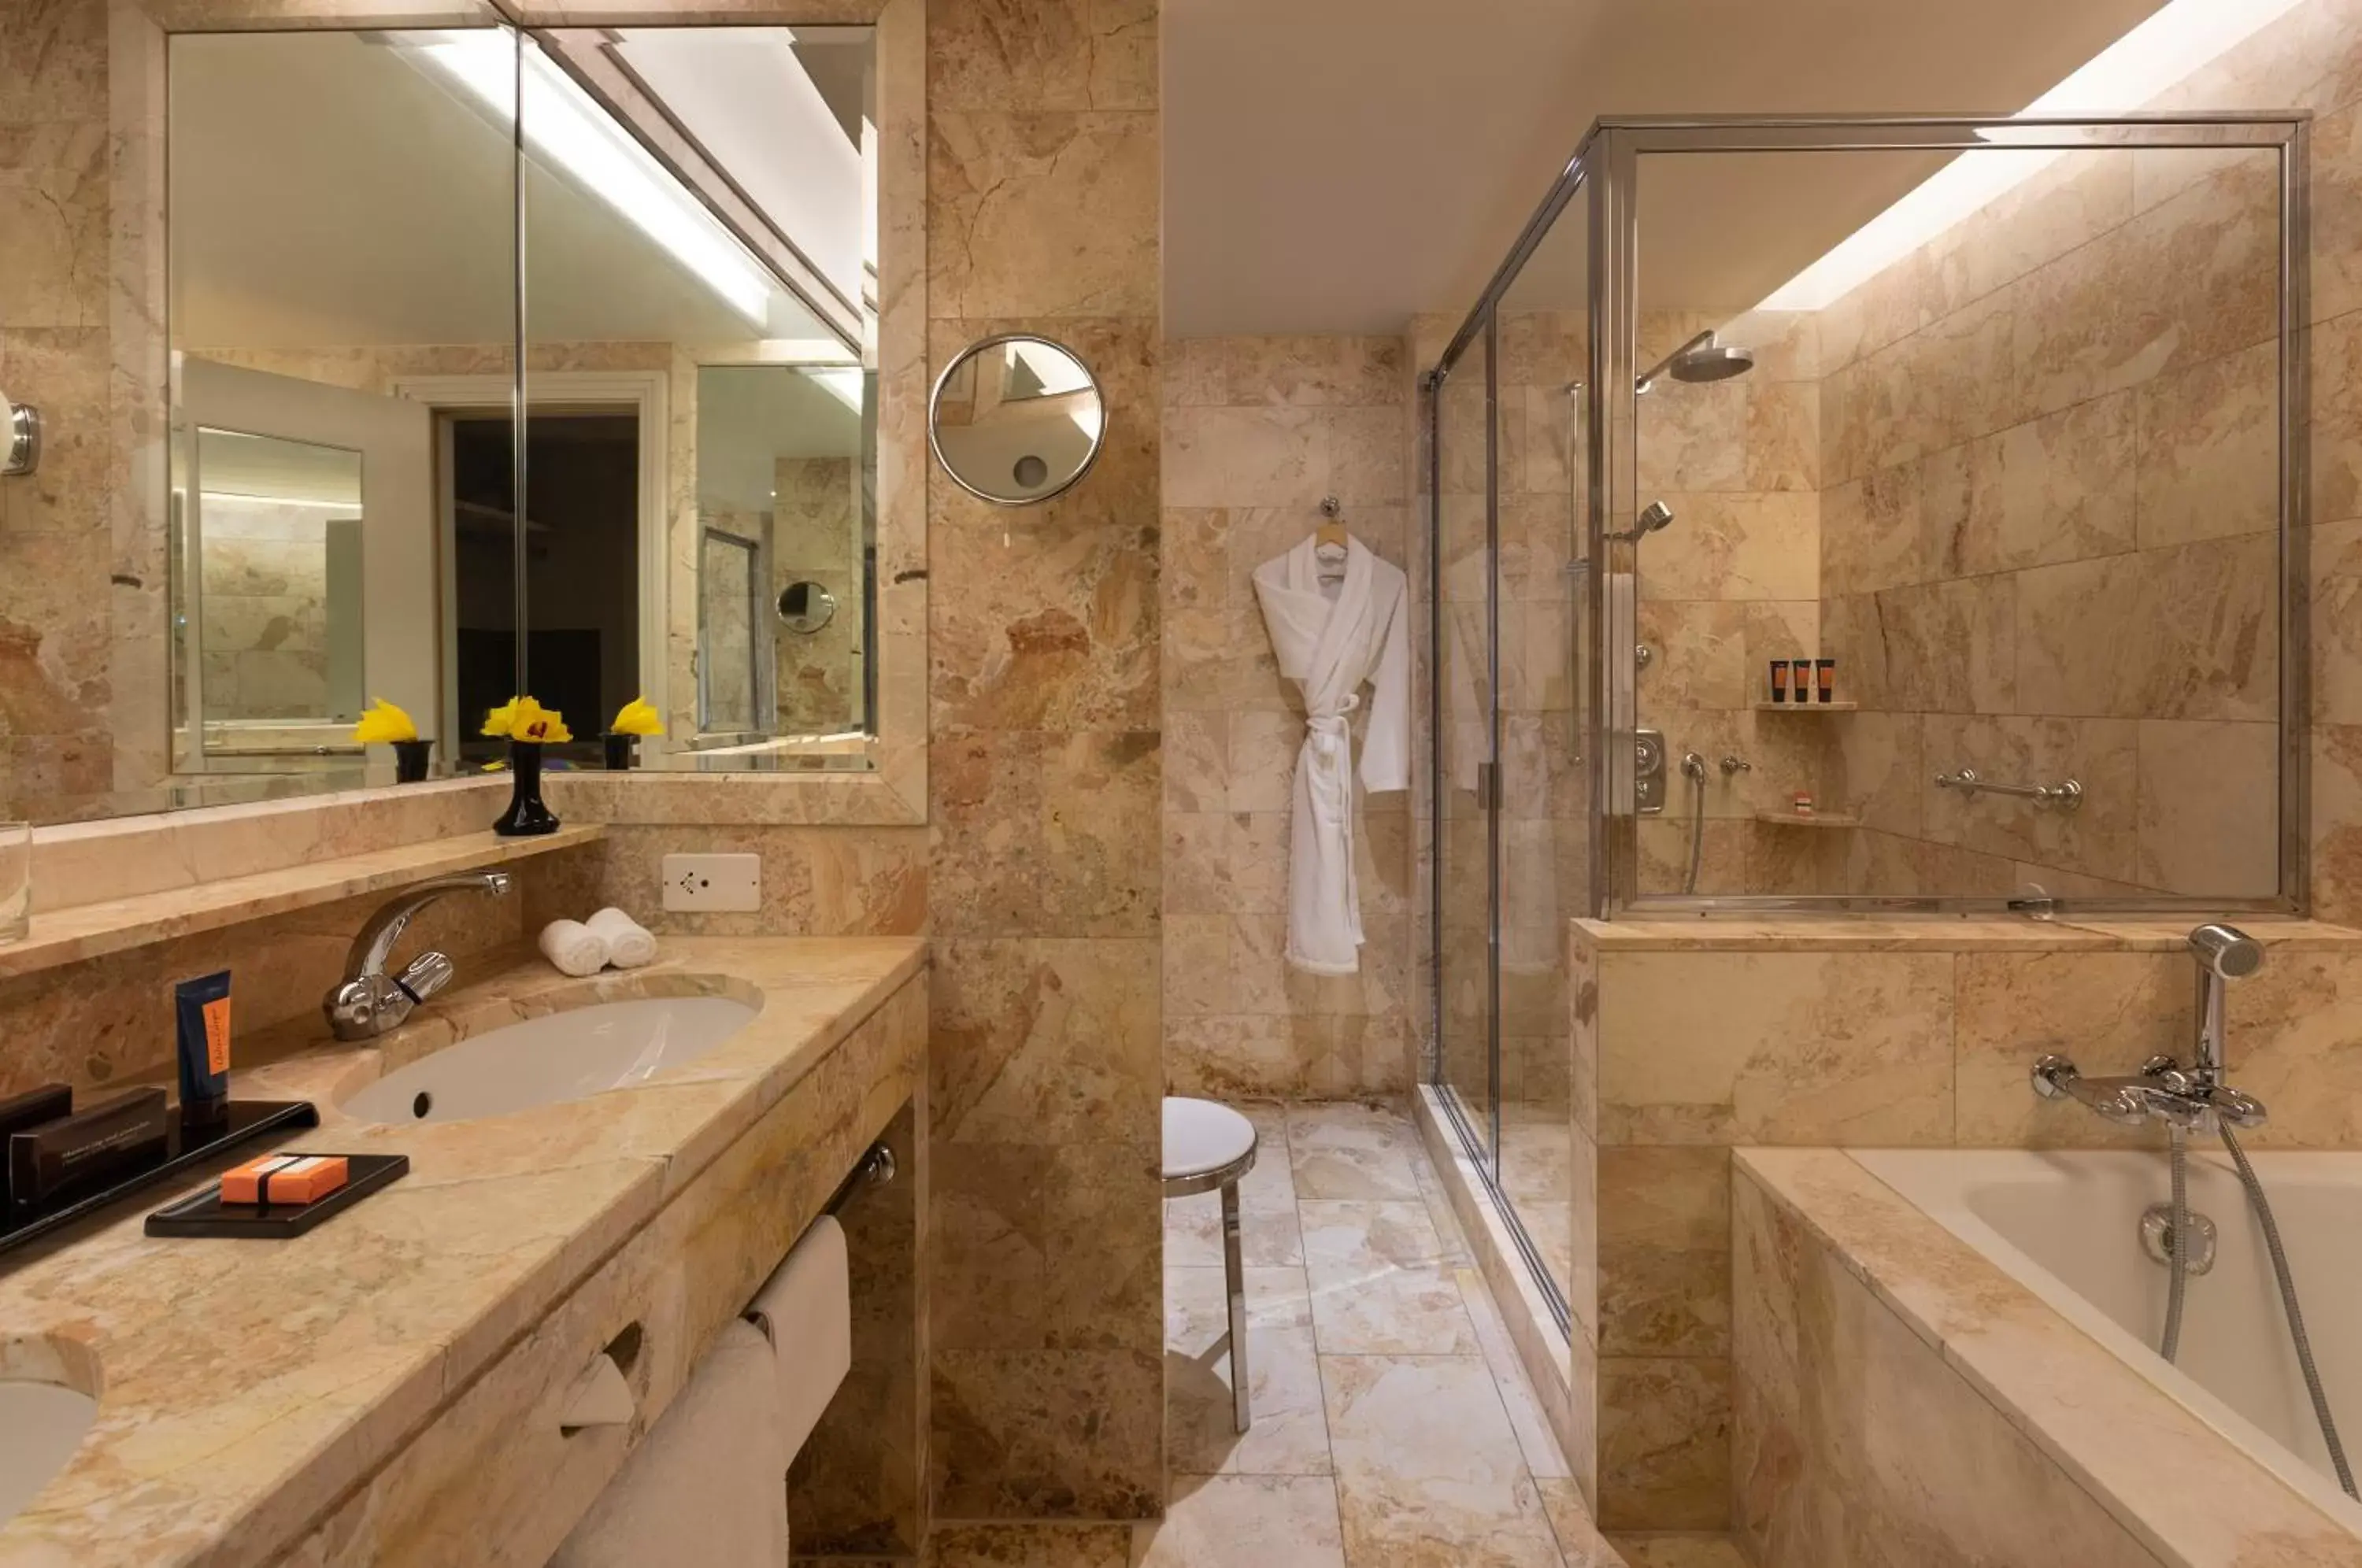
[629,943]
[573,947]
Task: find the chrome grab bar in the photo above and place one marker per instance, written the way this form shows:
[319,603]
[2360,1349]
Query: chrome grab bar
[2066,797]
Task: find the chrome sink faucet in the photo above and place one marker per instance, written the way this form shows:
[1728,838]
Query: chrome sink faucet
[2194,1098]
[368,1001]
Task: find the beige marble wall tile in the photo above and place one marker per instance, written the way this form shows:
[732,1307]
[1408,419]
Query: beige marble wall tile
[1665,1442]
[1855,1442]
[2097,838]
[2055,489]
[2210,809]
[2290,1031]
[1775,1048]
[2110,1011]
[1257,431]
[2336,826]
[2208,455]
[1736,545]
[1045,640]
[2184,633]
[1663,1219]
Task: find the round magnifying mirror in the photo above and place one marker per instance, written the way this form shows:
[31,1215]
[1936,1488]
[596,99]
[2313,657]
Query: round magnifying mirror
[1016,419]
[805,607]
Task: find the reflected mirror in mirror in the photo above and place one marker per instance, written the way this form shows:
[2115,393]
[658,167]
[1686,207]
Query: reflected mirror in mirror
[707,282]
[341,220]
[1016,420]
[275,539]
[806,607]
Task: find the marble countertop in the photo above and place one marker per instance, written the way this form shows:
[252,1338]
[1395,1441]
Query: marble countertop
[244,1386]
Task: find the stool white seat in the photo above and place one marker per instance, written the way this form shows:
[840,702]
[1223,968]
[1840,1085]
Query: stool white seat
[1209,1146]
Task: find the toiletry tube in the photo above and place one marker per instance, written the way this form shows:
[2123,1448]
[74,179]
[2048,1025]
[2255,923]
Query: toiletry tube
[1825,678]
[89,1149]
[1779,681]
[202,1006]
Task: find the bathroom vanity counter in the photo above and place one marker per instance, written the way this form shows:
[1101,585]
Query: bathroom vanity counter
[388,1388]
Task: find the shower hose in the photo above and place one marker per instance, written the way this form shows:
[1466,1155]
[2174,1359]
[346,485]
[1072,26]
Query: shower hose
[2169,1343]
[1697,827]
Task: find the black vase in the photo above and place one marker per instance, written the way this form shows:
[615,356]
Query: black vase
[622,751]
[527,816]
[410,760]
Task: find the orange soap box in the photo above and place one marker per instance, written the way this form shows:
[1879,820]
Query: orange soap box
[284,1178]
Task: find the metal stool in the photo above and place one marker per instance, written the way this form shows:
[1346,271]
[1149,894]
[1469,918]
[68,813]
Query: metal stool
[1208,1146]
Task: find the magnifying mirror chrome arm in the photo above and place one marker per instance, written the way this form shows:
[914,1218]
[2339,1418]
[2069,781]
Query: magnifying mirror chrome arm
[21,434]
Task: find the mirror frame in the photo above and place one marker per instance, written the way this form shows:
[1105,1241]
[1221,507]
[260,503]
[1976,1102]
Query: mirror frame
[935,395]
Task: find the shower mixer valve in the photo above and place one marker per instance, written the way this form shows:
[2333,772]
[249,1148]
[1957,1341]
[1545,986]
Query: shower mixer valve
[2195,1098]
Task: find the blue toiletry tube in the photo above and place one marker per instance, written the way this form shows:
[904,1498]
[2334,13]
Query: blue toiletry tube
[202,1006]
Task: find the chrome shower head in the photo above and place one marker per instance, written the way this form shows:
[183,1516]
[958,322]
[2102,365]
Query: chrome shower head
[2226,951]
[1702,359]
[1653,516]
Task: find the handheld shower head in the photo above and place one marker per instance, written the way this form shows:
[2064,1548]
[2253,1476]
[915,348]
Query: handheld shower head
[1653,516]
[2225,951]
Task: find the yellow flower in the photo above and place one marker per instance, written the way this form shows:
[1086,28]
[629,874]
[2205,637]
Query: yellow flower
[637,717]
[522,718]
[382,722]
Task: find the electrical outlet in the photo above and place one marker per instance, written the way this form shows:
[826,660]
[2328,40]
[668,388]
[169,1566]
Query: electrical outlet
[713,884]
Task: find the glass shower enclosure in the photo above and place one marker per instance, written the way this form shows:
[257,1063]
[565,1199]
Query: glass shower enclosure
[1854,515]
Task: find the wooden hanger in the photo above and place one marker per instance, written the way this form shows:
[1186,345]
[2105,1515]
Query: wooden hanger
[1330,534]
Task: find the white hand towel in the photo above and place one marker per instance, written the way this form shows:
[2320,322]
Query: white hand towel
[806,1308]
[574,948]
[712,1472]
[629,943]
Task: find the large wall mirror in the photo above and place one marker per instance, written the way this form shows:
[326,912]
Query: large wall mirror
[651,253]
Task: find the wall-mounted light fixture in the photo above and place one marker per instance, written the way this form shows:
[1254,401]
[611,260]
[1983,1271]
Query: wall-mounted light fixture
[20,433]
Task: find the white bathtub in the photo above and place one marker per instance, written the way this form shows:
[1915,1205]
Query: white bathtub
[2067,1225]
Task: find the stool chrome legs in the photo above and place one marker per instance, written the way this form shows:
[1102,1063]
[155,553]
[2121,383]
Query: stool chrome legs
[1234,1280]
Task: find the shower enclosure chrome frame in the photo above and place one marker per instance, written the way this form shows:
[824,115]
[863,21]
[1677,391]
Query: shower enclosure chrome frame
[1604,170]
[1601,653]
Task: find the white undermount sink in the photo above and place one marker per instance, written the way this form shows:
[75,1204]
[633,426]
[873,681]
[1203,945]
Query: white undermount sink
[40,1426]
[564,1055]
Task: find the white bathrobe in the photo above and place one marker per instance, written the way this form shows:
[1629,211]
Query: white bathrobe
[1331,638]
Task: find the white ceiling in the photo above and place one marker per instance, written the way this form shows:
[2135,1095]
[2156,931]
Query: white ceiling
[1341,165]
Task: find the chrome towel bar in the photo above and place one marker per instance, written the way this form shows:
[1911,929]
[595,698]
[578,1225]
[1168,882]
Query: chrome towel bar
[2066,797]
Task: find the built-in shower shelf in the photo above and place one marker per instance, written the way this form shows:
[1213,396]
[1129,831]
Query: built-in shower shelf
[1817,820]
[1768,707]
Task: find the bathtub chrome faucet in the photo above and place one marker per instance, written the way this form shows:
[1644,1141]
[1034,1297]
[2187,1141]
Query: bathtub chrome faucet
[2195,1098]
[368,1001]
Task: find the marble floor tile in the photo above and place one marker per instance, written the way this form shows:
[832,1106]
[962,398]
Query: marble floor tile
[1677,1548]
[1289,1433]
[1439,1212]
[1428,1449]
[1579,1541]
[1352,1151]
[1193,1234]
[1543,1459]
[1381,1284]
[1428,1471]
[1271,1186]
[1226,1521]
